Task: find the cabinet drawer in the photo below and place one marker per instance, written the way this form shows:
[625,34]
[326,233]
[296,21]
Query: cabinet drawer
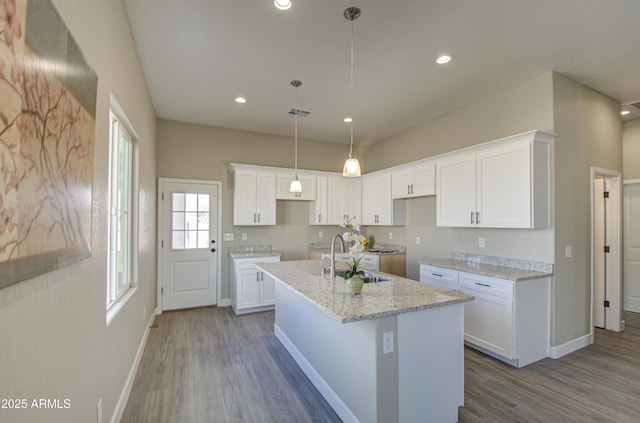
[370,261]
[486,285]
[250,263]
[439,276]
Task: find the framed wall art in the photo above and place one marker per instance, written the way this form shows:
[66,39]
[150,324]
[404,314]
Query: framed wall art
[47,133]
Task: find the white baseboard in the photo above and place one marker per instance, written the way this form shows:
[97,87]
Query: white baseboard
[571,346]
[126,389]
[332,398]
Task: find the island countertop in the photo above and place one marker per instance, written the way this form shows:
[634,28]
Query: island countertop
[399,295]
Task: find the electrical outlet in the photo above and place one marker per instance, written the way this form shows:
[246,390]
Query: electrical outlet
[244,236]
[568,251]
[390,235]
[320,234]
[387,342]
[227,237]
[417,240]
[481,242]
[99,410]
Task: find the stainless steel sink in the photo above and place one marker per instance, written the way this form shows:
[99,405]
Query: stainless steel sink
[368,277]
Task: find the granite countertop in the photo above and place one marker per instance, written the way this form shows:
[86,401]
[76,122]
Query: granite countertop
[255,254]
[252,251]
[399,295]
[493,270]
[378,249]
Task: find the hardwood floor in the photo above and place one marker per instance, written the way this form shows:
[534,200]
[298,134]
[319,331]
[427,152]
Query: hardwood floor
[599,383]
[207,365]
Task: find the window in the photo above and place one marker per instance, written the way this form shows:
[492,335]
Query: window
[122,209]
[190,220]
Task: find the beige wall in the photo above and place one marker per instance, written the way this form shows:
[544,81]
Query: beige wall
[521,108]
[54,342]
[590,134]
[202,152]
[631,148]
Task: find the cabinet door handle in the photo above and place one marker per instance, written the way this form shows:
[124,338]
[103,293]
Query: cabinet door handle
[411,188]
[408,189]
[319,218]
[483,284]
[258,217]
[258,276]
[472,218]
[477,217]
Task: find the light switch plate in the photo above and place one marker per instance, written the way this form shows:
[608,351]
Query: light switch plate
[417,240]
[227,237]
[568,251]
[387,342]
[481,242]
[244,236]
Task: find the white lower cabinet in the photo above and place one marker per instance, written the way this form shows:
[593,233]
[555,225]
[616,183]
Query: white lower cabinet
[252,289]
[507,320]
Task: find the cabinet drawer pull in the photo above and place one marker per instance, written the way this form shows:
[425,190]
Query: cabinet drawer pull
[483,284]
[472,218]
[437,274]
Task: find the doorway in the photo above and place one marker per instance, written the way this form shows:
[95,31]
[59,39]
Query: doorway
[631,246]
[606,250]
[189,221]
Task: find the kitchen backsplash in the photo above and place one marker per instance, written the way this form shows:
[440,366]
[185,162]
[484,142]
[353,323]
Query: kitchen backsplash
[250,249]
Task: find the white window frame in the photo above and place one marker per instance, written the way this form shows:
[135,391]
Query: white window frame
[117,298]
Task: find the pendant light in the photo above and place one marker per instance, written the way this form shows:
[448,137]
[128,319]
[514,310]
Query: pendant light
[351,166]
[296,186]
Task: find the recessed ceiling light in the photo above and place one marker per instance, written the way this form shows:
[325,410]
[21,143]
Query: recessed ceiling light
[241,100]
[348,120]
[625,112]
[445,58]
[282,4]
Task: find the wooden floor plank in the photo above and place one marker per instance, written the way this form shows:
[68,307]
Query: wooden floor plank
[208,365]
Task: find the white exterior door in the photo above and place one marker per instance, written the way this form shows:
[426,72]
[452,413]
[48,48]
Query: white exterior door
[632,247]
[188,265]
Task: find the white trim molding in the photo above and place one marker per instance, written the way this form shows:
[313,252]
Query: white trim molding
[571,346]
[128,384]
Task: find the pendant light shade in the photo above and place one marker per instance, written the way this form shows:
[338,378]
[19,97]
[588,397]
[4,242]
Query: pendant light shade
[296,185]
[351,166]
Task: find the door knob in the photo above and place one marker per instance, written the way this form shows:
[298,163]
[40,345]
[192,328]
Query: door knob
[213,250]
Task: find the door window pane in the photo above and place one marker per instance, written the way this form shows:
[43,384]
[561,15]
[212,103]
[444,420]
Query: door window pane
[190,216]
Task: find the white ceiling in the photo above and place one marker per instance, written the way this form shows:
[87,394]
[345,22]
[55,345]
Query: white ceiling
[198,55]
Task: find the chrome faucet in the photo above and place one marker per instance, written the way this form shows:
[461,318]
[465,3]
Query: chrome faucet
[333,256]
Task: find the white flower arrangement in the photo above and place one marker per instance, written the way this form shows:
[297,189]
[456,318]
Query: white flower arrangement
[358,244]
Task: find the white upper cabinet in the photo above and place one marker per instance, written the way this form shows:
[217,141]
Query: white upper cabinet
[504,185]
[318,207]
[378,208]
[344,200]
[414,180]
[307,180]
[254,196]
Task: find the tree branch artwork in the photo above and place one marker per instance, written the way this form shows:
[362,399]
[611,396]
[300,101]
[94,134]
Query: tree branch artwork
[46,146]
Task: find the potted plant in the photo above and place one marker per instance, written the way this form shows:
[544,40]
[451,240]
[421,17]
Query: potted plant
[353,276]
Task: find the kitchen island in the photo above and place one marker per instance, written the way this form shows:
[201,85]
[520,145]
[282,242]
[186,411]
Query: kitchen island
[392,354]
